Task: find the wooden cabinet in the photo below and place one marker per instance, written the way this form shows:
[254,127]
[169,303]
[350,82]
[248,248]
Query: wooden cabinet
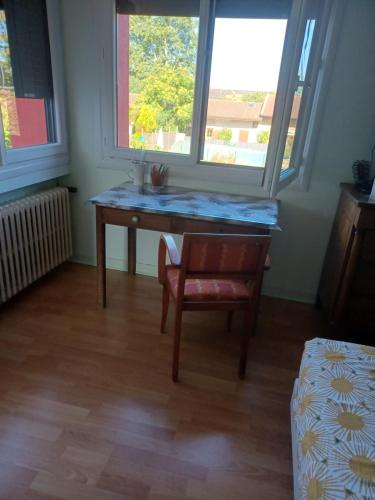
[347,285]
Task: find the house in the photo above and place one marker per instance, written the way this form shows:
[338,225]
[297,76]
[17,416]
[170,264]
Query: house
[268,108]
[88,407]
[241,118]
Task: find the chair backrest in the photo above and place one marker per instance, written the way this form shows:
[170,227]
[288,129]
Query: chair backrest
[223,255]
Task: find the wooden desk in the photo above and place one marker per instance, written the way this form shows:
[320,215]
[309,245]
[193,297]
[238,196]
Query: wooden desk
[178,211]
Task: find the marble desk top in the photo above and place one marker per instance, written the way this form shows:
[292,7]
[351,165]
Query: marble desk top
[193,204]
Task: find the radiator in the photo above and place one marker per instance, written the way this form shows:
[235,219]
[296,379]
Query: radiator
[35,237]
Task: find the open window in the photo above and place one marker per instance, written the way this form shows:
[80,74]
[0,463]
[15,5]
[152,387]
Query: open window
[214,85]
[302,65]
[33,140]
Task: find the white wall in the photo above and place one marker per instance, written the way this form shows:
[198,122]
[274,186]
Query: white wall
[347,133]
[16,194]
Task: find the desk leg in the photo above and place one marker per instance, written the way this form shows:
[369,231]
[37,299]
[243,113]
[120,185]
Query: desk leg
[132,250]
[100,258]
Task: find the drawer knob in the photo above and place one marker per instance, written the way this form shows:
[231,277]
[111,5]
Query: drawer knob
[135,219]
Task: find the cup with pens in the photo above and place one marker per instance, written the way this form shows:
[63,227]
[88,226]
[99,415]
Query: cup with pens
[158,175]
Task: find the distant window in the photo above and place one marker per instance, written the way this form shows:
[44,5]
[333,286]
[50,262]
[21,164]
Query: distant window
[26,88]
[209,131]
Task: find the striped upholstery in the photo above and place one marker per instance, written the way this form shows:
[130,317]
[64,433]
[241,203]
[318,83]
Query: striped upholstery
[208,289]
[218,256]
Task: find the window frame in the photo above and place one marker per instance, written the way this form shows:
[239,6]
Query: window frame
[24,166]
[320,61]
[266,179]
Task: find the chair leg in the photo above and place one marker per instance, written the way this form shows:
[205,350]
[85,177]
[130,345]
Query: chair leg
[176,344]
[229,320]
[256,314]
[248,331]
[165,306]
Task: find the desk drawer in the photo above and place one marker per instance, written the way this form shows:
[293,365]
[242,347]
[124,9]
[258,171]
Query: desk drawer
[135,219]
[180,225]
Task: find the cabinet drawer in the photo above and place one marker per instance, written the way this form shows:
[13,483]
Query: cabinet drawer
[366,219]
[359,314]
[135,219]
[180,226]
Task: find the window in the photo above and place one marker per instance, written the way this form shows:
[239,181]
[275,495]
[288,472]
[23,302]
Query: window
[156,63]
[215,84]
[26,90]
[33,137]
[242,88]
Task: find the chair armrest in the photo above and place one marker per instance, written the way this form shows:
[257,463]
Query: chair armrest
[167,244]
[267,264]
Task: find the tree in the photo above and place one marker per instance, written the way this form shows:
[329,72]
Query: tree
[170,94]
[159,41]
[146,119]
[225,135]
[6,78]
[162,60]
[263,137]
[255,96]
[288,147]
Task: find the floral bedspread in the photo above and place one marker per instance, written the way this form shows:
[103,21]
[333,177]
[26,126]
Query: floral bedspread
[333,407]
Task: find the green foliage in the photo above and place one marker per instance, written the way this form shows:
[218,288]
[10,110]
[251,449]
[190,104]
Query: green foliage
[137,141]
[6,77]
[288,147]
[157,41]
[162,68]
[225,135]
[256,96]
[169,94]
[6,125]
[263,137]
[147,118]
[249,97]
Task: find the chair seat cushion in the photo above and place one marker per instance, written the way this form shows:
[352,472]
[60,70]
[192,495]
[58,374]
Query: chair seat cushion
[208,289]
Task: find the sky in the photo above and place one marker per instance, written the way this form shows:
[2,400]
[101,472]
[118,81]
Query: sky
[247,54]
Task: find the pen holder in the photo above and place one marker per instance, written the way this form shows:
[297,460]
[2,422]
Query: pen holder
[158,176]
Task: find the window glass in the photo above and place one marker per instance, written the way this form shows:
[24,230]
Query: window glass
[156,63]
[243,82]
[297,99]
[26,90]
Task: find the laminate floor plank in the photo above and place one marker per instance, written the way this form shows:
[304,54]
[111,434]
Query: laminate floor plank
[88,409]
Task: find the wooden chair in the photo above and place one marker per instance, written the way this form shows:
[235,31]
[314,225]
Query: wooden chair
[214,272]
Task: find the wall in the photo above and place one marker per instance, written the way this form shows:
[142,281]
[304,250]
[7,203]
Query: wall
[21,193]
[347,132]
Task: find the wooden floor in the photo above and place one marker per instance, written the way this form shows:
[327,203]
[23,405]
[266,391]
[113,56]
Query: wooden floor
[88,409]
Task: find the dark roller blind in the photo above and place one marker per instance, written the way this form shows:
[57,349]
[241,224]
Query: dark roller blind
[258,9]
[253,9]
[30,54]
[178,8]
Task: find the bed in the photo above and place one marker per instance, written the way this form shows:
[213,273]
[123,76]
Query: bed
[333,422]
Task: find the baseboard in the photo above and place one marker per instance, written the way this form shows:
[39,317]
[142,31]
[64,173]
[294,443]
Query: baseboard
[307,297]
[118,265]
[144,269]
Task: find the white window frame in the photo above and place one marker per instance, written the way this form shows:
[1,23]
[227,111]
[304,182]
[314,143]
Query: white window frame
[320,62]
[21,167]
[189,166]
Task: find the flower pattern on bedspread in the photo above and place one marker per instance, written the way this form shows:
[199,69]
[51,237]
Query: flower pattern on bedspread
[334,410]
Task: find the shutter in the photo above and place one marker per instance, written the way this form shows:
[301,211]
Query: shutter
[176,8]
[30,54]
[253,9]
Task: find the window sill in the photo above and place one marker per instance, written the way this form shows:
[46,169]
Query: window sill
[31,172]
[193,173]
